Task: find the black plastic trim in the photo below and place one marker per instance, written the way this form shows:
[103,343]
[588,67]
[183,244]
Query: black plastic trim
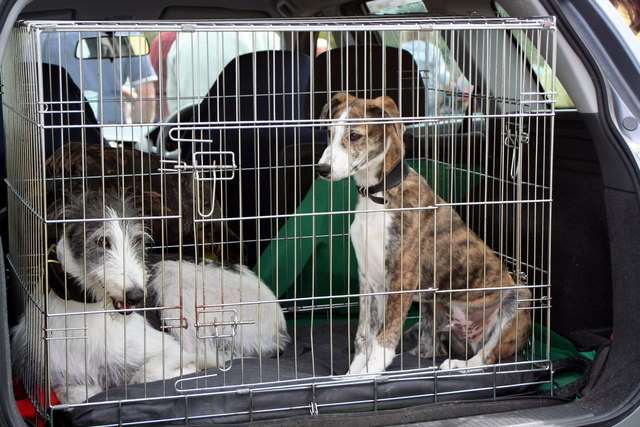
[618,166]
[9,415]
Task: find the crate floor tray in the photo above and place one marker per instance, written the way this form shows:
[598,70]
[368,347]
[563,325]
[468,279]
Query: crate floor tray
[299,382]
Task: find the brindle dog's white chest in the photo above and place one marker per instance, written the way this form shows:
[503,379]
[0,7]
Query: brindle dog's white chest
[369,236]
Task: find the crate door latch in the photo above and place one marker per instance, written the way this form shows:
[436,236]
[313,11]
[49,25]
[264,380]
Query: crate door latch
[514,138]
[220,325]
[207,167]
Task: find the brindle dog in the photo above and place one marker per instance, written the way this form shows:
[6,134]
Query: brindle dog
[425,245]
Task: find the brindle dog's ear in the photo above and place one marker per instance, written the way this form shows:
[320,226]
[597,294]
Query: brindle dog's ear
[390,108]
[337,100]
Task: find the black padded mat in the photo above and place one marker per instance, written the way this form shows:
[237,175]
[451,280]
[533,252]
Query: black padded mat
[228,398]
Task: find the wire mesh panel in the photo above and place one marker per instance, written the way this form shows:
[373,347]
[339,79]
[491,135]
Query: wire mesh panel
[246,220]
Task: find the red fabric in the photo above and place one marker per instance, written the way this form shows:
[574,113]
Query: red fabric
[154,54]
[25,407]
[159,61]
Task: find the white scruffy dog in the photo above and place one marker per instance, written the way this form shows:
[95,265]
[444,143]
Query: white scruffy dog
[93,339]
[214,298]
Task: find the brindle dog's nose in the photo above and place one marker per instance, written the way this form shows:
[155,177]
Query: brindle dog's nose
[134,297]
[323,170]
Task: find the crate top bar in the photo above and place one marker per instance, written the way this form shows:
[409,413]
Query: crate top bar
[378,23]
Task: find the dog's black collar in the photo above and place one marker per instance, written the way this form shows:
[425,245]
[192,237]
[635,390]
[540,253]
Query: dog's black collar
[69,289]
[392,179]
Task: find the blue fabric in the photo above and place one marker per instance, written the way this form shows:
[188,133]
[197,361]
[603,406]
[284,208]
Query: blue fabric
[106,76]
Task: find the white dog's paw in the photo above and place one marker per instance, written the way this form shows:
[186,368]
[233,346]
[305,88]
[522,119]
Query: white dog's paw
[155,373]
[155,369]
[76,393]
[471,365]
[140,377]
[188,368]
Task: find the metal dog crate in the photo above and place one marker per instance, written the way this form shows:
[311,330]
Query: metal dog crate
[235,115]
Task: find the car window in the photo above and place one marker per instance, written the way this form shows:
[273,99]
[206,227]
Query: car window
[448,88]
[545,75]
[443,78]
[326,40]
[394,7]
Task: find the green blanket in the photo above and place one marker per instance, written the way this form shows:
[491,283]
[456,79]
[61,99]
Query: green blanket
[312,254]
[560,348]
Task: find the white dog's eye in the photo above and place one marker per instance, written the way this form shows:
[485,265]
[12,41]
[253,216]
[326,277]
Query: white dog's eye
[138,241]
[102,240]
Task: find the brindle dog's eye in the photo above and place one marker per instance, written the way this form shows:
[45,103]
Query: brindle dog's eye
[353,135]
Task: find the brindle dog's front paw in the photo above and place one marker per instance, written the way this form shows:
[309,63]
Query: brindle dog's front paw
[358,364]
